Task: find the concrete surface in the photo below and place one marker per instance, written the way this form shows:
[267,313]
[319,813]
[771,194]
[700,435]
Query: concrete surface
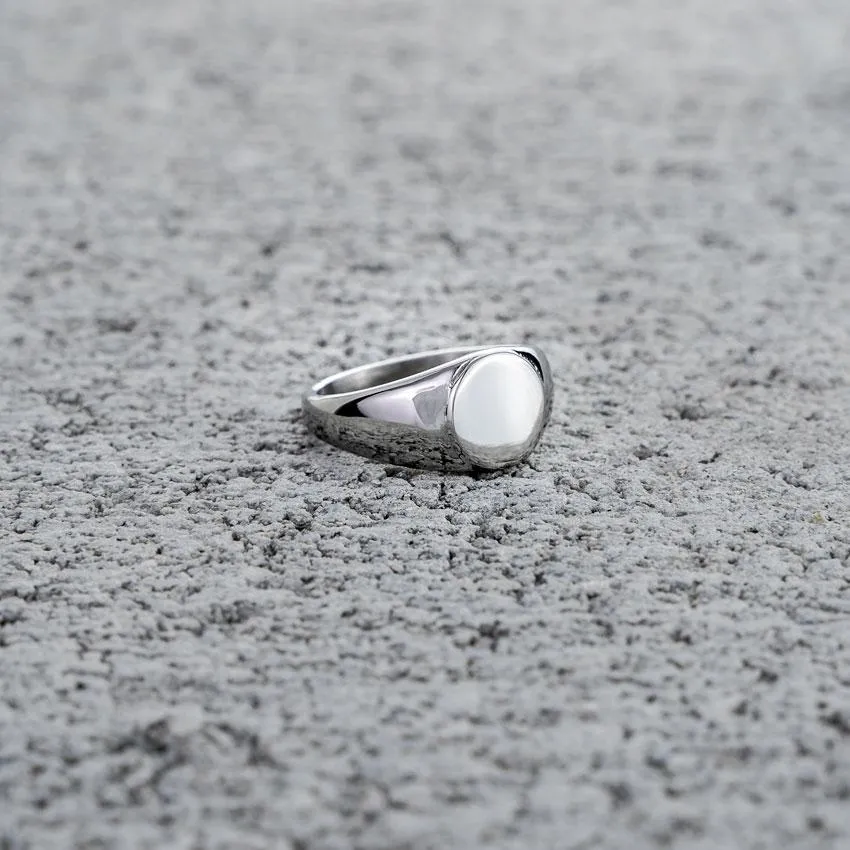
[216,632]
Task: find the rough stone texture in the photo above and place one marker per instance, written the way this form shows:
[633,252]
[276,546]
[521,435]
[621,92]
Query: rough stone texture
[217,632]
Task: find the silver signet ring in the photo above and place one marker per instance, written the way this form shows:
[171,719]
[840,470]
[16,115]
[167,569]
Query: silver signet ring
[454,409]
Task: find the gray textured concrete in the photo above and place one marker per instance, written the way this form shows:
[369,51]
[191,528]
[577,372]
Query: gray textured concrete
[216,632]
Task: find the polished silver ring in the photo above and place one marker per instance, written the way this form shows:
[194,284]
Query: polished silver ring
[455,409]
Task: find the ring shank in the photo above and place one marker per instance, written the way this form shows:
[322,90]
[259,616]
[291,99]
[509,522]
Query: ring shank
[387,371]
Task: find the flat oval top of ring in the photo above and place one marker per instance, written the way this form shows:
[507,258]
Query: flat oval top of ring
[497,409]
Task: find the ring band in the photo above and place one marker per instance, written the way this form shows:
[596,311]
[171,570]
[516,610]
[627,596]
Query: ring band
[454,409]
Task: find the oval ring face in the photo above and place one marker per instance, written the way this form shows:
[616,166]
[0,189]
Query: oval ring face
[497,409]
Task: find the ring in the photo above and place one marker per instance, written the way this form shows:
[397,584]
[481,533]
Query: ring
[458,409]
